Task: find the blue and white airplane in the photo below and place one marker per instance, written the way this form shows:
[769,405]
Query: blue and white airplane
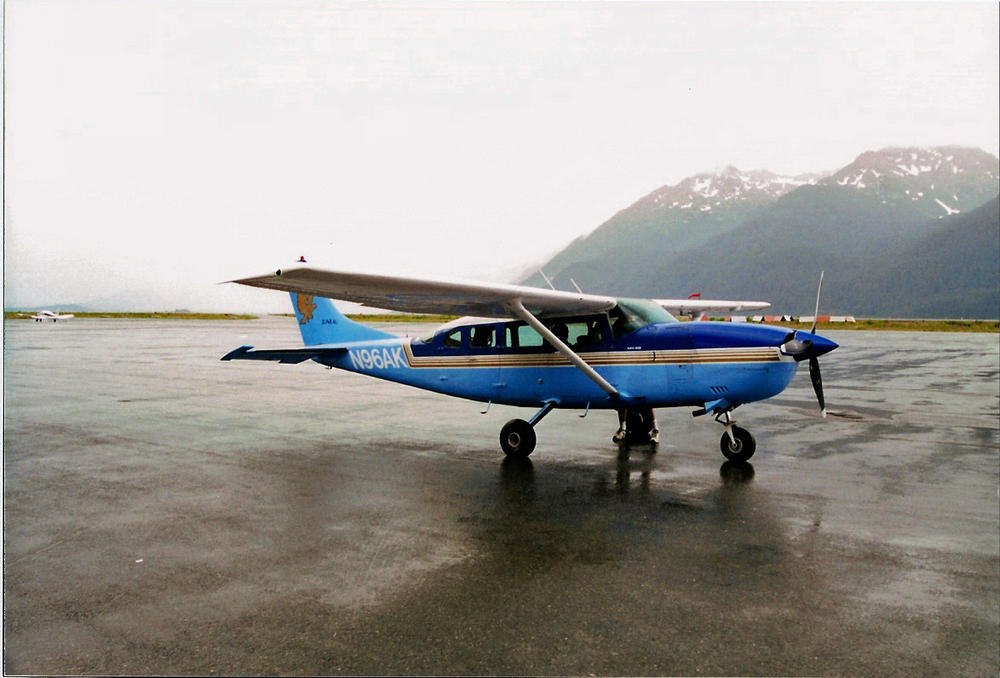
[544,349]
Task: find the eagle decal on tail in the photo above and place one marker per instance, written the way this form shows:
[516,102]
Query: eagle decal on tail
[306,306]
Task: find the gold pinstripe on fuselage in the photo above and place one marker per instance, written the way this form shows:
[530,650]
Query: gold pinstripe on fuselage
[599,358]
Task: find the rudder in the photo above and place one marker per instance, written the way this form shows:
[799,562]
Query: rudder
[321,323]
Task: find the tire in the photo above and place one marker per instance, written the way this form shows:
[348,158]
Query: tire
[517,438]
[743,449]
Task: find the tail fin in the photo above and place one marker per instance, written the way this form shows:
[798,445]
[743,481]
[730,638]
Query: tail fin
[321,323]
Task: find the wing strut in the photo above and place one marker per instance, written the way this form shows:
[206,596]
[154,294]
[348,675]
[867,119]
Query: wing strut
[518,309]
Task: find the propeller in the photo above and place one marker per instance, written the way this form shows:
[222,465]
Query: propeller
[811,347]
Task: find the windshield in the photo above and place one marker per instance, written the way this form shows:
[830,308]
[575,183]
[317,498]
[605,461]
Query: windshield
[631,314]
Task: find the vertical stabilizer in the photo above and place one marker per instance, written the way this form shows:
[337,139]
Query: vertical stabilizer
[321,323]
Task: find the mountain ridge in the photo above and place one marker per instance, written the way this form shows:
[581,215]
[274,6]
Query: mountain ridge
[770,242]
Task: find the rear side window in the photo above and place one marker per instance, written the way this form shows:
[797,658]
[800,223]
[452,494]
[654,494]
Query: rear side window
[453,339]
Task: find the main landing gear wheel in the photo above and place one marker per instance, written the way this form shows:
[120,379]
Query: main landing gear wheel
[742,449]
[517,438]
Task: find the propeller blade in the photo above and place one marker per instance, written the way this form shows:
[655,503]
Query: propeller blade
[816,312]
[817,382]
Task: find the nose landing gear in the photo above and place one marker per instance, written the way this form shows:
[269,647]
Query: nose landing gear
[737,443]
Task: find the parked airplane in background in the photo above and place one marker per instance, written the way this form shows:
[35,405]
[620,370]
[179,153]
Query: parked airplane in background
[545,349]
[693,307]
[49,315]
[697,308]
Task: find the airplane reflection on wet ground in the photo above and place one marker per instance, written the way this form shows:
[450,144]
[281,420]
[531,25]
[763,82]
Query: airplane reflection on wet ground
[165,515]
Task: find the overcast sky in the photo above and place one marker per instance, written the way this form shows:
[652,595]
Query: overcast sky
[157,147]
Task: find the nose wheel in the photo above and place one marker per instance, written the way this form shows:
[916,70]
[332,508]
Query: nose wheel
[737,443]
[738,447]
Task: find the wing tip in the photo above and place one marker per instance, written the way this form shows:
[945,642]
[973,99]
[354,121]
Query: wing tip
[237,353]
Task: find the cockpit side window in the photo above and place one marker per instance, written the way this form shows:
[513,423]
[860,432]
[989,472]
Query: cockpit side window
[586,334]
[623,322]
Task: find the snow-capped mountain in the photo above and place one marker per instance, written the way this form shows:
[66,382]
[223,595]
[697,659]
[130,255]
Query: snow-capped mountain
[669,220]
[703,192]
[943,180]
[736,234]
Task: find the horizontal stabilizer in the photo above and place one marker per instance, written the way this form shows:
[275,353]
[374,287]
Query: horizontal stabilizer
[292,356]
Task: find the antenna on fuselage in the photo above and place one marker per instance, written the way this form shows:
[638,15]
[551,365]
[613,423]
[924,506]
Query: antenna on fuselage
[551,286]
[576,286]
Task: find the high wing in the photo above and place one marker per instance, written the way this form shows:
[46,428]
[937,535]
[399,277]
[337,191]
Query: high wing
[426,295]
[696,306]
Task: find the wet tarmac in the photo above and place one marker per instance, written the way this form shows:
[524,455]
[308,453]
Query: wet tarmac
[165,512]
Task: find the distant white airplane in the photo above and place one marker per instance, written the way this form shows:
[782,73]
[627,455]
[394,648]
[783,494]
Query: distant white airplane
[50,315]
[693,307]
[697,308]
